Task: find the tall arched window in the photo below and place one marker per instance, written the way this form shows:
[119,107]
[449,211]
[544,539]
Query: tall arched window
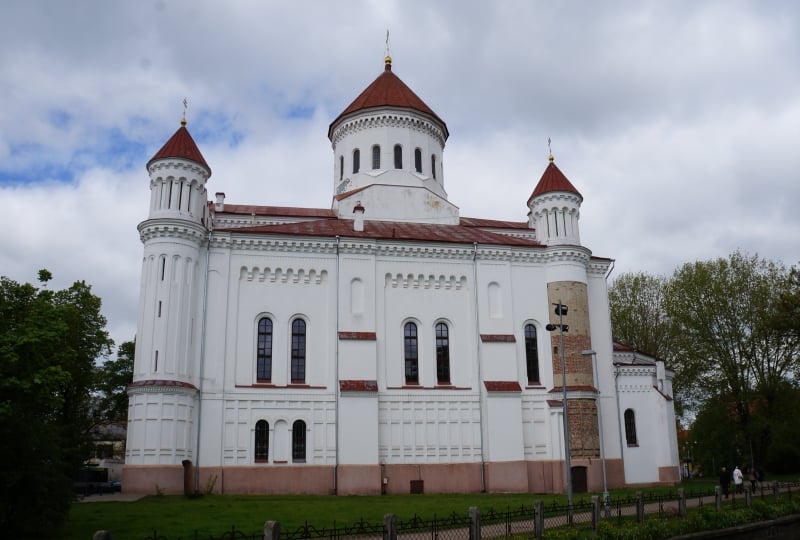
[630,428]
[376,157]
[398,156]
[531,354]
[410,351]
[264,350]
[356,160]
[442,354]
[433,166]
[299,441]
[298,351]
[418,160]
[341,167]
[262,441]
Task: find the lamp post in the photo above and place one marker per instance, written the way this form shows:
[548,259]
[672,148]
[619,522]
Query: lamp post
[606,502]
[561,310]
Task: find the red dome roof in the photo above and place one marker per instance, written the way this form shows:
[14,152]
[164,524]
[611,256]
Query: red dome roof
[181,145]
[553,180]
[388,91]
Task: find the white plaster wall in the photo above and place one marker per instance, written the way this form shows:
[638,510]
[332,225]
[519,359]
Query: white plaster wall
[160,428]
[504,441]
[358,430]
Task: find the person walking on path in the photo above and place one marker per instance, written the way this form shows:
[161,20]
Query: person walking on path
[725,481]
[738,478]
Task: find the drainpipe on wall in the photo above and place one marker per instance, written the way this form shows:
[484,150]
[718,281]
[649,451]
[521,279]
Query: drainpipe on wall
[336,376]
[478,355]
[202,367]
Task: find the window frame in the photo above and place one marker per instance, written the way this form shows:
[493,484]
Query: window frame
[433,166]
[411,353]
[398,156]
[418,160]
[298,351]
[264,356]
[299,441]
[376,157]
[531,354]
[356,161]
[261,431]
[630,428]
[442,337]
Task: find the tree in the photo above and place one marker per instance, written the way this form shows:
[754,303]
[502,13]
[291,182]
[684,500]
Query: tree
[49,341]
[113,378]
[730,347]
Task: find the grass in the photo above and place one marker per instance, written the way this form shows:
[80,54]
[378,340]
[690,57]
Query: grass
[177,516]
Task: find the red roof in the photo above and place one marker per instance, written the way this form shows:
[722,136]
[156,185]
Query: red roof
[277,211]
[181,145]
[388,91]
[393,230]
[553,180]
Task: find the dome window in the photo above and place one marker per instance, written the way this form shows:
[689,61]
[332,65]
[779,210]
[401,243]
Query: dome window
[418,160]
[376,157]
[398,156]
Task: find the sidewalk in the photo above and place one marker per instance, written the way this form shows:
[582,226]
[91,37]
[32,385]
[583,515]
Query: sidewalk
[111,497]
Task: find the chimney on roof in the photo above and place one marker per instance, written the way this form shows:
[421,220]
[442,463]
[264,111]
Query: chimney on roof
[219,206]
[358,222]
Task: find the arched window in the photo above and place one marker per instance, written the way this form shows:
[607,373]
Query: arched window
[630,428]
[418,160]
[376,157]
[356,160]
[262,441]
[341,167]
[298,351]
[531,354]
[442,354]
[410,353]
[299,441]
[433,166]
[264,350]
[398,156]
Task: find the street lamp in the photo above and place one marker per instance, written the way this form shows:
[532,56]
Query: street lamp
[606,502]
[561,310]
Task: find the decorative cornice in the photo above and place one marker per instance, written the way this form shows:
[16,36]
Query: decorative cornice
[177,164]
[283,275]
[161,386]
[554,197]
[380,120]
[172,228]
[420,281]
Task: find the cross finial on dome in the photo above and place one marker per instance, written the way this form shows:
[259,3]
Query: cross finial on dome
[550,157]
[183,119]
[387,58]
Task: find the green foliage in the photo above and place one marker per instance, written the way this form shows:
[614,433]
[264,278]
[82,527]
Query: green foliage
[49,341]
[113,378]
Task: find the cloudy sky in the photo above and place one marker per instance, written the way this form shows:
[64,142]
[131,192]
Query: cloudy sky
[678,121]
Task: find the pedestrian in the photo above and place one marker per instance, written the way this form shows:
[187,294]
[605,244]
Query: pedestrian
[738,479]
[725,481]
[753,480]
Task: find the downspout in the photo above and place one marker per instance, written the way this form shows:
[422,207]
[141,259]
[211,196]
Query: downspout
[336,375]
[619,421]
[478,355]
[202,366]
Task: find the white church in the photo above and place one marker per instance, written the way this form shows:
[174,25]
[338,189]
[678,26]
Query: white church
[386,344]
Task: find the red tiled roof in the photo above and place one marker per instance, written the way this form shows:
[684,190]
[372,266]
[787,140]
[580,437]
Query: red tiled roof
[619,347]
[492,223]
[553,180]
[455,234]
[388,91]
[181,145]
[502,386]
[277,211]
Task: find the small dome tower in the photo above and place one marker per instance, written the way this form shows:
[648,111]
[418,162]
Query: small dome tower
[555,208]
[164,393]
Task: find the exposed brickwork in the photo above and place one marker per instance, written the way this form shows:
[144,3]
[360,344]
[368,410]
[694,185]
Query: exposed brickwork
[583,428]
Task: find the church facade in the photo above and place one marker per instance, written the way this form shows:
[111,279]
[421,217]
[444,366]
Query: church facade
[385,344]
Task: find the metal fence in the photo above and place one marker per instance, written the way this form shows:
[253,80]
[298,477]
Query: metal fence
[524,521]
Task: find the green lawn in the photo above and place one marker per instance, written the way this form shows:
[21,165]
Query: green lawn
[177,516]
